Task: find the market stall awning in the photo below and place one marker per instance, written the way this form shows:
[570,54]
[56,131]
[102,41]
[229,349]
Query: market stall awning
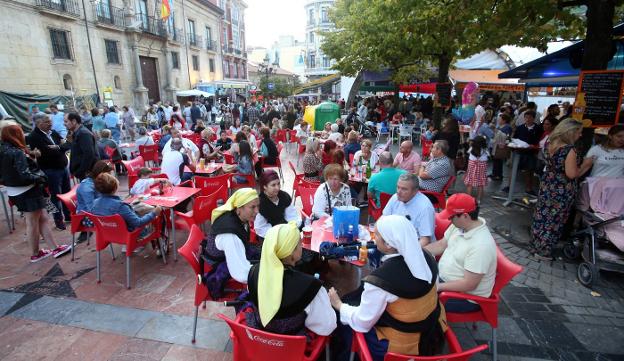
[194,93]
[307,87]
[426,88]
[487,80]
[556,69]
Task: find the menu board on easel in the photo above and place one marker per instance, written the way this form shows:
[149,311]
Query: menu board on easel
[603,96]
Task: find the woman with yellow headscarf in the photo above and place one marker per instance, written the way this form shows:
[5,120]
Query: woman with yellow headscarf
[227,247]
[399,310]
[287,301]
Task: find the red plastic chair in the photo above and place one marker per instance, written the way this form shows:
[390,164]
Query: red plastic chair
[505,271]
[425,147]
[132,167]
[149,153]
[229,159]
[201,212]
[190,252]
[113,230]
[441,225]
[292,137]
[280,136]
[373,210]
[296,180]
[250,181]
[250,344]
[360,348]
[69,199]
[307,199]
[209,185]
[278,162]
[309,184]
[351,156]
[300,150]
[441,196]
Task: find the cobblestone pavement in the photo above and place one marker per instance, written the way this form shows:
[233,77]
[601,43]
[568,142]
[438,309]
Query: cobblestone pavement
[54,309]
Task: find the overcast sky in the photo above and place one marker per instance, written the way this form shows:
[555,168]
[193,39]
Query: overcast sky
[266,20]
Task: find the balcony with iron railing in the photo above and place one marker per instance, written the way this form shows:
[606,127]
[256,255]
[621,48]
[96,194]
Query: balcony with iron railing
[211,45]
[151,25]
[109,15]
[176,35]
[194,40]
[59,7]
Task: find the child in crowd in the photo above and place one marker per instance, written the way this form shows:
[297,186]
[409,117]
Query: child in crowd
[430,132]
[145,182]
[245,162]
[476,176]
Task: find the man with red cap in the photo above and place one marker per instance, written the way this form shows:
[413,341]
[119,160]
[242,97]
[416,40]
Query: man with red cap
[468,262]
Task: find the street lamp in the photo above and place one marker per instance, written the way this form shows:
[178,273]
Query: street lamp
[266,69]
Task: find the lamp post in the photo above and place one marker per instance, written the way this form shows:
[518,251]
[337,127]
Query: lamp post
[266,69]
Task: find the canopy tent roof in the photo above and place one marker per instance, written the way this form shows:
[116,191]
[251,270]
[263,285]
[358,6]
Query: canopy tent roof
[555,69]
[487,79]
[194,93]
[317,83]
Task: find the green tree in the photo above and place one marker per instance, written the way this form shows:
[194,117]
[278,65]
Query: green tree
[281,87]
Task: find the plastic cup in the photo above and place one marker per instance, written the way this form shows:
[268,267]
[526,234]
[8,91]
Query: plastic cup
[202,163]
[307,235]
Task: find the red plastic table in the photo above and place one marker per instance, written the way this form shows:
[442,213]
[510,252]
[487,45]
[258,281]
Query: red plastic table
[172,197]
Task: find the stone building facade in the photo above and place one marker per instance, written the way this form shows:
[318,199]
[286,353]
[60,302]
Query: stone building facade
[317,64]
[60,47]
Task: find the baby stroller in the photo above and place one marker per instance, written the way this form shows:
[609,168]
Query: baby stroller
[600,239]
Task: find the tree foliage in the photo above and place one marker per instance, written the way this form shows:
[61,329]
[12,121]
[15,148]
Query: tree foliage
[409,36]
[281,87]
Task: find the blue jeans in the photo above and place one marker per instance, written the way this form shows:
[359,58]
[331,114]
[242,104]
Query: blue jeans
[455,305]
[378,348]
[115,134]
[58,183]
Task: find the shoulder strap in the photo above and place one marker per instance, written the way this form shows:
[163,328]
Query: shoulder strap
[328,199]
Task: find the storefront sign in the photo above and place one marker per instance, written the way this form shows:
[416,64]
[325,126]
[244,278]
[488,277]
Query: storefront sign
[603,96]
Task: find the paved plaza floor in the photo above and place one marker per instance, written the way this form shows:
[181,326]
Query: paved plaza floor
[55,310]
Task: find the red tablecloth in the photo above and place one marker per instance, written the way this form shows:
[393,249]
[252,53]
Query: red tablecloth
[171,199]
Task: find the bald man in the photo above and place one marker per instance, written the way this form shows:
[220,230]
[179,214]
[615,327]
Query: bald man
[407,159]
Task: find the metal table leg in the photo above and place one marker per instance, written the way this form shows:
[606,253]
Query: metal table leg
[6,210]
[515,160]
[173,235]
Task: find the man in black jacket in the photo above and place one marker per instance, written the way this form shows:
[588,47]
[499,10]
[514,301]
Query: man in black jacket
[83,149]
[52,162]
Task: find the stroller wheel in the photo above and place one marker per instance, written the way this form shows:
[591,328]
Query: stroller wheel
[587,273]
[571,251]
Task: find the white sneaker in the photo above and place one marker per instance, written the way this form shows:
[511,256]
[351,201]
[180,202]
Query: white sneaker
[61,250]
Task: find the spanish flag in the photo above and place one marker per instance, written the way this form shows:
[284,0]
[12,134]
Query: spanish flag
[165,9]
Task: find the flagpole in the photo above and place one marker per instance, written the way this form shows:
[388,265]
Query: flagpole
[186,45]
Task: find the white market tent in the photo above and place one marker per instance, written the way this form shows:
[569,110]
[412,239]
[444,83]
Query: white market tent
[194,93]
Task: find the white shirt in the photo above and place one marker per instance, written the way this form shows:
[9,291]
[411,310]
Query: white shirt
[261,225]
[374,158]
[144,140]
[608,163]
[479,113]
[234,250]
[373,303]
[320,207]
[234,129]
[170,165]
[142,185]
[186,143]
[168,111]
[253,142]
[420,211]
[320,316]
[336,137]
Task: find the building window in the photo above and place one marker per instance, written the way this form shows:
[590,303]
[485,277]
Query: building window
[311,16]
[195,62]
[226,68]
[325,62]
[311,36]
[324,17]
[312,62]
[191,32]
[175,60]
[60,44]
[235,70]
[244,75]
[112,51]
[67,82]
[209,38]
[211,65]
[117,82]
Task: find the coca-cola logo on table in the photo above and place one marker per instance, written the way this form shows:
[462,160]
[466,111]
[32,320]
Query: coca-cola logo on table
[270,342]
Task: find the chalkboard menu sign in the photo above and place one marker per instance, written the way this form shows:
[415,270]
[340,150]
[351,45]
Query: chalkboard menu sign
[603,96]
[443,92]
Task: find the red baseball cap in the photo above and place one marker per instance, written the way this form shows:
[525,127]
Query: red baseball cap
[458,203]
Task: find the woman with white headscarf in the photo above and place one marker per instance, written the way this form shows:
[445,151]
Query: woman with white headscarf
[227,248]
[399,310]
[285,300]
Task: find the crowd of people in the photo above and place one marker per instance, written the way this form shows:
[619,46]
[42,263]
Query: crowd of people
[347,169]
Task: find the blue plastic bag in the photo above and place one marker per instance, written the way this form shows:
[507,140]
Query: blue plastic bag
[343,217]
